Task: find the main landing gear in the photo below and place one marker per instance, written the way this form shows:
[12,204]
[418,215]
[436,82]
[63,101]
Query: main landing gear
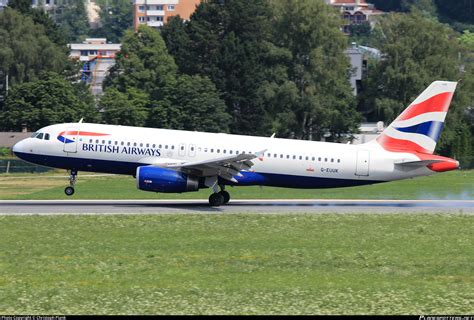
[219,198]
[69,191]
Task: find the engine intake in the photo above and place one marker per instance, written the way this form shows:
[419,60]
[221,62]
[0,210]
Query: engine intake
[165,180]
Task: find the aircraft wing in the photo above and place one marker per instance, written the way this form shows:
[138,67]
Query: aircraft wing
[225,167]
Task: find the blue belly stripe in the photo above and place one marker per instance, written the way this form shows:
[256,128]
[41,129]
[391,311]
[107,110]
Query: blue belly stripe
[248,179]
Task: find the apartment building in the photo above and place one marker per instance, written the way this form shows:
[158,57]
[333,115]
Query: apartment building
[96,56]
[355,12]
[155,13]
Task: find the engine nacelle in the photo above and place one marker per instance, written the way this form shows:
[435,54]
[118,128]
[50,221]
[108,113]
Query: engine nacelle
[164,180]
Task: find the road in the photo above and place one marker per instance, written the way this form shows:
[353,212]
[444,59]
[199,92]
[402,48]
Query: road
[78,207]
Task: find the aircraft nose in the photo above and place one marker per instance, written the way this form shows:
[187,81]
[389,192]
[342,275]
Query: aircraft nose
[18,147]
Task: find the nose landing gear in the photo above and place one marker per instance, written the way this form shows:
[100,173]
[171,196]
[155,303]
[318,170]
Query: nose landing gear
[69,191]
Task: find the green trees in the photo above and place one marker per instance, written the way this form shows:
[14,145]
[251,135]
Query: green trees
[317,70]
[145,79]
[191,103]
[46,101]
[115,17]
[125,108]
[266,58]
[229,42]
[73,21]
[26,50]
[416,52]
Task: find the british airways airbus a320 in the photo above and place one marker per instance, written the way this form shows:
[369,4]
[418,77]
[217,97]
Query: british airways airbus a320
[181,161]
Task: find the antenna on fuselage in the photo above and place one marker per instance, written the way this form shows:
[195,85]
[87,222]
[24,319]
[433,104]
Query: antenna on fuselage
[273,135]
[80,121]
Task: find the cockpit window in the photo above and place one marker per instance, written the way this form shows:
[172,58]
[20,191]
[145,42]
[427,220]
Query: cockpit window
[39,136]
[34,134]
[46,136]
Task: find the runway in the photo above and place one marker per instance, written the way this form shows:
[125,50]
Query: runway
[89,207]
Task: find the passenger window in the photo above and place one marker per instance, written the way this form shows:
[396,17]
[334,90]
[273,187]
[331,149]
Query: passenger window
[312,158]
[103,141]
[166,146]
[141,144]
[230,151]
[218,150]
[134,144]
[116,142]
[301,158]
[275,155]
[212,150]
[172,147]
[288,156]
[192,148]
[223,151]
[122,143]
[319,159]
[325,159]
[205,149]
[338,160]
[90,140]
[153,146]
[160,146]
[97,141]
[294,157]
[128,144]
[236,151]
[182,147]
[332,160]
[269,155]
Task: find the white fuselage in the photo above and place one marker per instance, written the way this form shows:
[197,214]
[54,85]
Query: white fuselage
[285,162]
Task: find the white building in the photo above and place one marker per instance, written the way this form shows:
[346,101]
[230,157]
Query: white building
[97,57]
[368,132]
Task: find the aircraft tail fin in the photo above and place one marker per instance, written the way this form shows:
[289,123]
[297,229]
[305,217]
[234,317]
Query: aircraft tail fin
[418,127]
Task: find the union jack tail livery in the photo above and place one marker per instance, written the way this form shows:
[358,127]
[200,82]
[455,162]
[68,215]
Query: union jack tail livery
[418,128]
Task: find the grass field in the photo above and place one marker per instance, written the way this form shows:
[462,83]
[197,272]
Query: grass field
[450,185]
[237,264]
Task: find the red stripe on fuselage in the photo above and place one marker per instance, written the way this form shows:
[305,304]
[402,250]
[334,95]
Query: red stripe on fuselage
[83,133]
[437,103]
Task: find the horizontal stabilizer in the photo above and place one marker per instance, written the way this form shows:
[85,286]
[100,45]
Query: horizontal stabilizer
[418,163]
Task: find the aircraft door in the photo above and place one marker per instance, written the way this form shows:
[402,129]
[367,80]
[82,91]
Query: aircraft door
[70,140]
[182,150]
[362,165]
[192,150]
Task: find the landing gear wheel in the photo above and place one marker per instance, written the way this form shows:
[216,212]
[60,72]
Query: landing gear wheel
[216,199]
[226,196]
[69,191]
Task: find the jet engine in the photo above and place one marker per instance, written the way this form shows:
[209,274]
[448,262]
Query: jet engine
[165,180]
